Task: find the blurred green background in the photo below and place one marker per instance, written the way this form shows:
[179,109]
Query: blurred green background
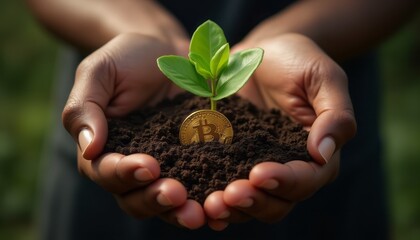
[27,63]
[27,69]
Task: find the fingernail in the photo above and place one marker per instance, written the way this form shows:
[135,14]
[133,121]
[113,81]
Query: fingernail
[85,138]
[326,148]
[270,184]
[163,200]
[143,175]
[224,215]
[220,225]
[182,223]
[247,202]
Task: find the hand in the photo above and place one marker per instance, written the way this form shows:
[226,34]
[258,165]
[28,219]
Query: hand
[297,77]
[116,79]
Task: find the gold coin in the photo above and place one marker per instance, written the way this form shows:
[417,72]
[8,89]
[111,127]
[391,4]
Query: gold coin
[206,126]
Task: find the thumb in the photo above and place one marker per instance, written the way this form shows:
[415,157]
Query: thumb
[83,115]
[87,124]
[330,131]
[335,123]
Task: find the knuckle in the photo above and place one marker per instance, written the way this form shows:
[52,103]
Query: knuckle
[348,124]
[72,111]
[327,70]
[332,70]
[97,65]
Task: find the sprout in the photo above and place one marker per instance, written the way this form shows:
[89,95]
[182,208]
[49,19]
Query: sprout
[210,71]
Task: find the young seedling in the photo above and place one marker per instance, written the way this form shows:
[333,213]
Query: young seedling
[210,71]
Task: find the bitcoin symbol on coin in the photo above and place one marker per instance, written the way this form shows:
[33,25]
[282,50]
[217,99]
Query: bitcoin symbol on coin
[206,131]
[206,126]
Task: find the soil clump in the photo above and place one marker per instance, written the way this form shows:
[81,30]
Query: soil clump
[202,168]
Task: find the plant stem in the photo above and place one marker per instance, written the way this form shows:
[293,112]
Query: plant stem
[212,104]
[213,92]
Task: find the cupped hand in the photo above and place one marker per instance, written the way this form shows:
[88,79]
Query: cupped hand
[111,82]
[134,181]
[297,77]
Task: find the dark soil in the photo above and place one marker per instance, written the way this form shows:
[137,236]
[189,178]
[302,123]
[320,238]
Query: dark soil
[206,167]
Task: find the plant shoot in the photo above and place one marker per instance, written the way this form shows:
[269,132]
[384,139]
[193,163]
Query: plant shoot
[210,70]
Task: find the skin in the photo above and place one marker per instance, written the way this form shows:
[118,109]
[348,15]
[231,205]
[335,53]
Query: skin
[298,75]
[299,78]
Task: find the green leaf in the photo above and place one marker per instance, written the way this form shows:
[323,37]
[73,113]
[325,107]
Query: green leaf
[199,64]
[207,39]
[239,69]
[219,61]
[182,72]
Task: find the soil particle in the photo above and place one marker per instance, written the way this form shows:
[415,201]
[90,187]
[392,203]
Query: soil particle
[259,136]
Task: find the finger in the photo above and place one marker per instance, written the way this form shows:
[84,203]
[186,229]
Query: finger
[139,167]
[215,207]
[158,197]
[222,214]
[314,92]
[190,215]
[295,180]
[217,225]
[118,173]
[242,195]
[335,123]
[83,115]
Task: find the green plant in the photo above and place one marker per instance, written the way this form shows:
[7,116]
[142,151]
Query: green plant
[210,71]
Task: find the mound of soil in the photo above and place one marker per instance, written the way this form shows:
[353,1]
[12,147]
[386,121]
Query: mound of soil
[206,167]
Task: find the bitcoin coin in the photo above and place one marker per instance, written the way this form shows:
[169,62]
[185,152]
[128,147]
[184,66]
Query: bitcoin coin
[206,126]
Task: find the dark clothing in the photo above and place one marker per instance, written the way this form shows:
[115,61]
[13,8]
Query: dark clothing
[235,17]
[353,207]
